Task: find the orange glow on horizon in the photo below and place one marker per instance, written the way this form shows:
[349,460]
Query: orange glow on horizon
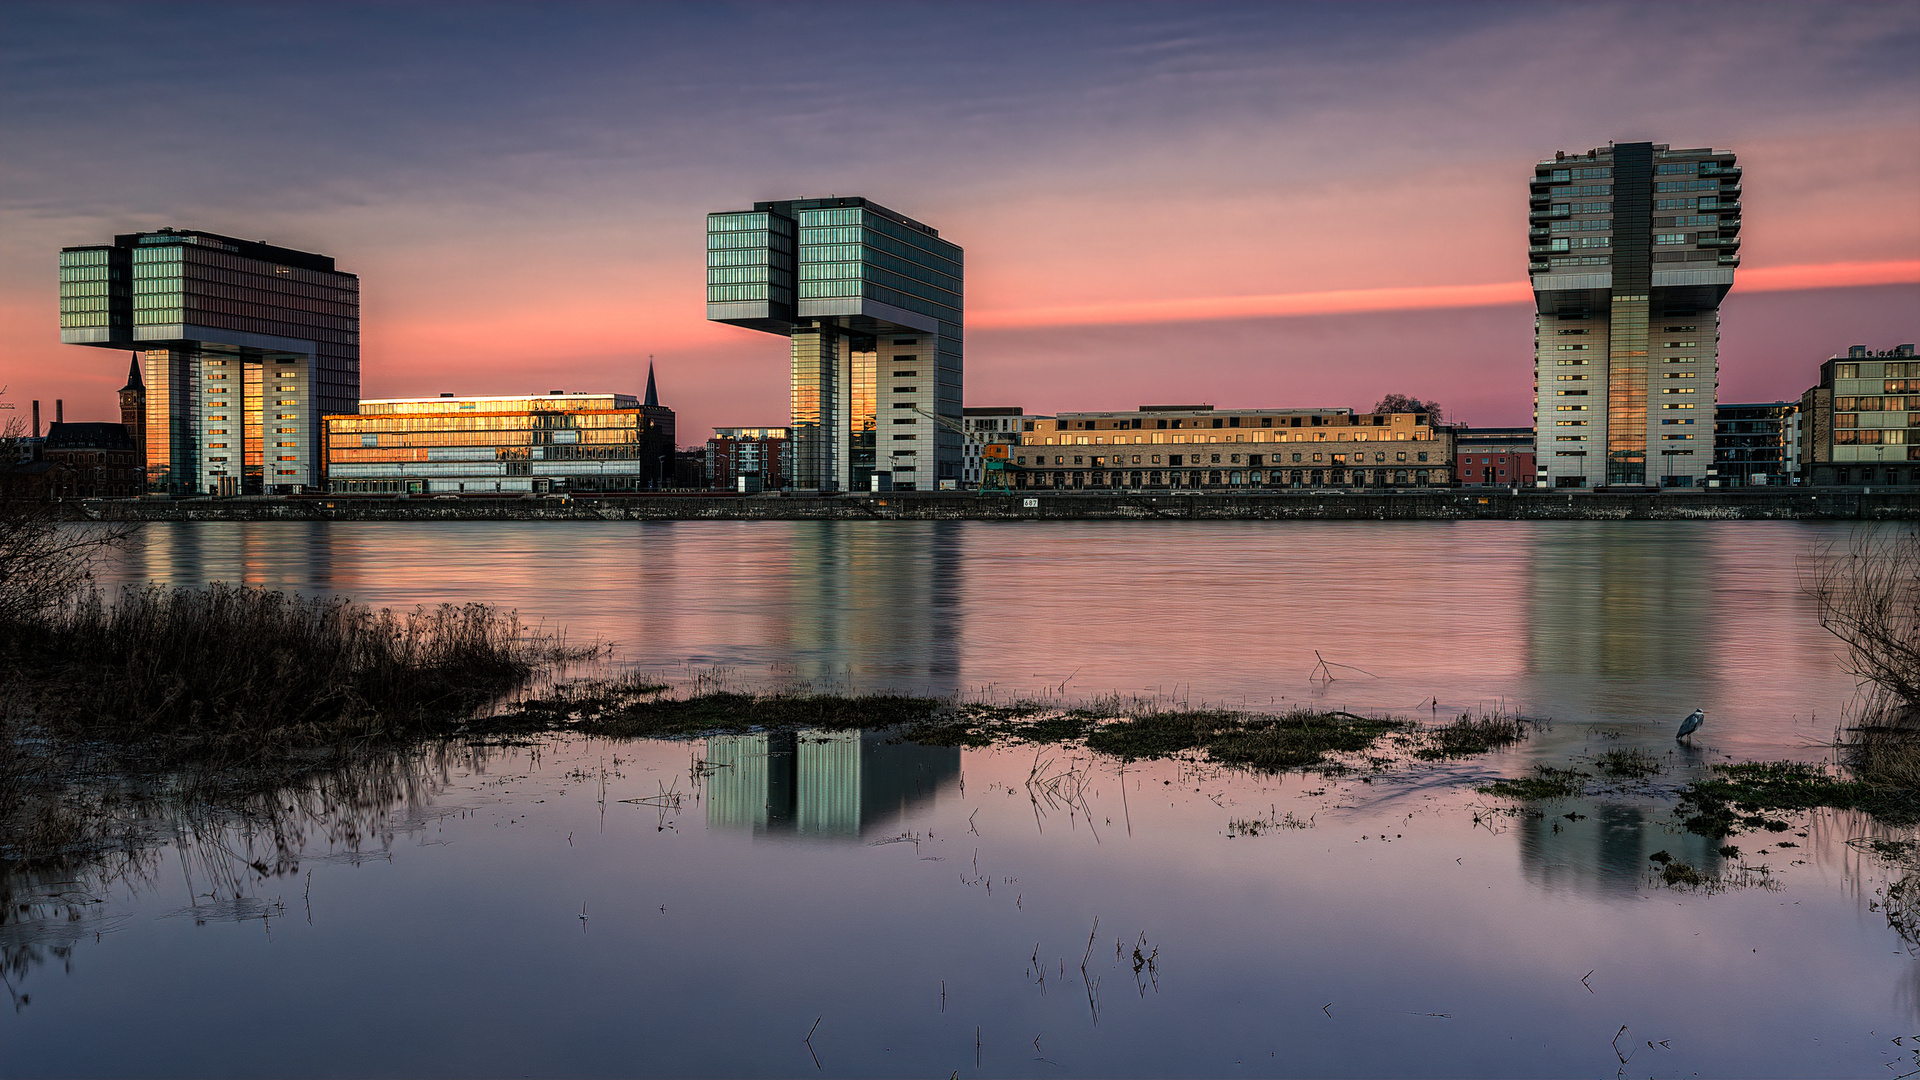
[1407,298]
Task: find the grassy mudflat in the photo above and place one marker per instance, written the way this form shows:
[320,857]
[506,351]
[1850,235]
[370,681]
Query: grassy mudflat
[1739,796]
[1128,730]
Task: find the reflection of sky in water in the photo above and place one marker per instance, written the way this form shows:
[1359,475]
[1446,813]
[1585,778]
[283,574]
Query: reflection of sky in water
[910,869]
[706,951]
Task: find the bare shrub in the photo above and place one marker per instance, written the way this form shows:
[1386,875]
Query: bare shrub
[1869,597]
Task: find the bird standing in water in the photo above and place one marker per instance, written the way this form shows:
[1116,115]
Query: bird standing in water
[1692,723]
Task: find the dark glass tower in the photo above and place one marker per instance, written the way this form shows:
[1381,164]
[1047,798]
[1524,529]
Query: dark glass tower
[1631,248]
[871,303]
[246,346]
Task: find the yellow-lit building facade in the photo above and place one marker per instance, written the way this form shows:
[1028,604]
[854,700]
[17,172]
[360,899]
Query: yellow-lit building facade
[578,443]
[1200,447]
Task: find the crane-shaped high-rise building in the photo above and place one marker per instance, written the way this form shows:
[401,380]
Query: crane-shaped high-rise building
[1631,248]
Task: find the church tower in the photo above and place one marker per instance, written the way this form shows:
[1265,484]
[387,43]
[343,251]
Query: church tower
[133,413]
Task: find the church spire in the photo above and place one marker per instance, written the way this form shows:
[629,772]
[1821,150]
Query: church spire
[653,397]
[134,381]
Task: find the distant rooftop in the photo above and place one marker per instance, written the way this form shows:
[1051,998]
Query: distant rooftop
[252,249]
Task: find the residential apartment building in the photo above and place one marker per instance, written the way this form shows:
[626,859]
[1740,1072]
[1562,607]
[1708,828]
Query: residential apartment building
[871,303]
[1493,456]
[748,460]
[1631,247]
[1861,424]
[555,443]
[245,345]
[1198,446]
[1750,443]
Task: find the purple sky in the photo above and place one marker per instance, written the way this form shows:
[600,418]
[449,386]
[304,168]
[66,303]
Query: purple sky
[1265,205]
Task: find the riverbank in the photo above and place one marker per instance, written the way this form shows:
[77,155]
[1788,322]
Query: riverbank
[1449,504]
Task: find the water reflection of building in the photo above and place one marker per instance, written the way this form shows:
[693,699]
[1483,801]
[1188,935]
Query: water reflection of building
[821,784]
[1625,615]
[877,607]
[1621,640]
[1606,848]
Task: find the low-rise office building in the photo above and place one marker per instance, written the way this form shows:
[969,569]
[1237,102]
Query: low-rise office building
[1861,424]
[1750,445]
[1198,446]
[521,444]
[1494,456]
[748,460]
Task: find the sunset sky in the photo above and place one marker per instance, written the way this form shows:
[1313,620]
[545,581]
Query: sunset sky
[1256,206]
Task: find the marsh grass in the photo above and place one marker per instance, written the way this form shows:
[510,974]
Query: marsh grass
[1300,740]
[1740,796]
[1546,782]
[643,715]
[235,674]
[1471,736]
[1634,764]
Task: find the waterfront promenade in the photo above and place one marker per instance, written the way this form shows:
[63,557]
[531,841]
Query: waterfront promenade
[1760,504]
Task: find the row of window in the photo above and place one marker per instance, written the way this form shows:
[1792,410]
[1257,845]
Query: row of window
[1875,404]
[1040,460]
[1581,225]
[1556,175]
[1891,371]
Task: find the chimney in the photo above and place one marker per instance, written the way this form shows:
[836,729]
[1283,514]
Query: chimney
[59,410]
[36,418]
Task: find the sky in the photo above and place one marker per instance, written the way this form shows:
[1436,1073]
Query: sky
[1269,205]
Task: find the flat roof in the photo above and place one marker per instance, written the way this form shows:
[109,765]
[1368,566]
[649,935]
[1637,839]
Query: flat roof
[252,249]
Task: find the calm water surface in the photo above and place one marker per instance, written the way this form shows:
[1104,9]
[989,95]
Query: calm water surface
[587,907]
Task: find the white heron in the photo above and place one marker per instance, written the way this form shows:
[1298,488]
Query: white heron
[1692,723]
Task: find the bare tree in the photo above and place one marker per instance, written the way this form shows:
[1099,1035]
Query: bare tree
[42,559]
[1393,403]
[1869,597]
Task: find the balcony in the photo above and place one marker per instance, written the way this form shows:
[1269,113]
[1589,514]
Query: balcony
[1711,169]
[1729,189]
[1544,249]
[1547,215]
[1538,267]
[1730,260]
[1718,242]
[1537,233]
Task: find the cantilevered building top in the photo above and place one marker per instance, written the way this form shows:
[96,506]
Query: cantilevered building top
[245,345]
[872,302]
[1631,247]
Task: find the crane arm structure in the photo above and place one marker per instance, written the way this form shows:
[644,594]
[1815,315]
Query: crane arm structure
[993,455]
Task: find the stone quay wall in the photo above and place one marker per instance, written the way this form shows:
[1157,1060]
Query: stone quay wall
[1450,504]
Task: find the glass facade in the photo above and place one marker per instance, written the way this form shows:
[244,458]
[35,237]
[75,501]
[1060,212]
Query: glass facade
[245,344]
[871,302]
[1628,274]
[574,443]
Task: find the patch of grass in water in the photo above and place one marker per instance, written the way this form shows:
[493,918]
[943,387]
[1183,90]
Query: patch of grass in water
[1737,796]
[1546,782]
[1469,736]
[1635,764]
[732,712]
[1293,741]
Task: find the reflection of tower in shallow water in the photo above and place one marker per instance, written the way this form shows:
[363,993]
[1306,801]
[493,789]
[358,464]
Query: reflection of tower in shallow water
[293,555]
[1619,622]
[877,604]
[821,784]
[1605,852]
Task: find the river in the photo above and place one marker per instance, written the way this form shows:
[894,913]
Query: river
[846,904]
